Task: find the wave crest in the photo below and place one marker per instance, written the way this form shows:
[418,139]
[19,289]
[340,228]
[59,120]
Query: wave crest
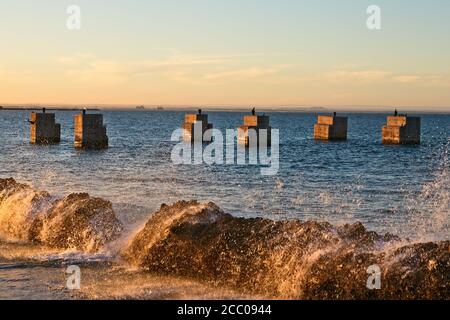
[77,221]
[280,259]
[288,259]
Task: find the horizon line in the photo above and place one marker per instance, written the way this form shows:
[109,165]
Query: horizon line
[274,108]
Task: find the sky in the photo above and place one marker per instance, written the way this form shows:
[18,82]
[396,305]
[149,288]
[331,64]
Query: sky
[280,53]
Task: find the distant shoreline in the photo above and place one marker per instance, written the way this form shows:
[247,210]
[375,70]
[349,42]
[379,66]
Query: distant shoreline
[315,110]
[39,109]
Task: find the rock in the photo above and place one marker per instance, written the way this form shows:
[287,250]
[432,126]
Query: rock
[76,222]
[286,259]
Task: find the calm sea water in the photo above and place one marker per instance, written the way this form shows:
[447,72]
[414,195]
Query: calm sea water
[359,179]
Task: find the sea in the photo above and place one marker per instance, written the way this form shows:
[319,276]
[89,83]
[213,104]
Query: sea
[401,190]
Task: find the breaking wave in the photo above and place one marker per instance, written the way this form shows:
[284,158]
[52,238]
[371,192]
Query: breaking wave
[429,210]
[77,221]
[288,259]
[199,241]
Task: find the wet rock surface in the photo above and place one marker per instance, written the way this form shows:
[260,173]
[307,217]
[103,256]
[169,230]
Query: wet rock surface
[287,259]
[275,259]
[77,221]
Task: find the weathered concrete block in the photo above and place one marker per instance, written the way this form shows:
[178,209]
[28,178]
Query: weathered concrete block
[252,129]
[197,121]
[331,128]
[90,131]
[321,131]
[257,121]
[402,130]
[247,133]
[193,118]
[44,129]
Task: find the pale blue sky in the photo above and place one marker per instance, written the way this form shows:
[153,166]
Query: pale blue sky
[230,52]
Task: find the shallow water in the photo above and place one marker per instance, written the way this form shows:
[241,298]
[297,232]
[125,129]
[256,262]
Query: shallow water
[398,189]
[33,272]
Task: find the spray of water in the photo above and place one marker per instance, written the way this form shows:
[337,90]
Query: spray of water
[428,212]
[191,240]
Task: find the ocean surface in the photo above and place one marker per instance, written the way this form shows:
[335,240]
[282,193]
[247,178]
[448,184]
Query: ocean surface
[403,190]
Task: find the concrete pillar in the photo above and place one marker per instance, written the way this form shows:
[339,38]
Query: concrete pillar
[331,128]
[401,130]
[253,125]
[44,129]
[192,122]
[90,131]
